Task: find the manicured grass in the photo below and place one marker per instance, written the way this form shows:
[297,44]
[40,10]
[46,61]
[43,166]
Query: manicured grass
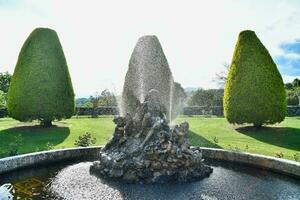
[280,138]
[63,135]
[210,132]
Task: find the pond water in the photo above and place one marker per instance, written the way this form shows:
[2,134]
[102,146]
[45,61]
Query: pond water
[74,181]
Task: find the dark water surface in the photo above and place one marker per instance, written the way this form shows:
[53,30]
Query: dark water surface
[73,181]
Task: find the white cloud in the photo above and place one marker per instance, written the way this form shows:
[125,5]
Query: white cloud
[99,36]
[288,79]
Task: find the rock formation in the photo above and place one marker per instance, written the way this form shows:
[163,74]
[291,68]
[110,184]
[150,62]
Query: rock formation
[145,149]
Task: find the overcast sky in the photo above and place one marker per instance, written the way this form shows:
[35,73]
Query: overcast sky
[198,37]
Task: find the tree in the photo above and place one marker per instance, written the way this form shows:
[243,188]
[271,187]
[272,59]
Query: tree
[94,101]
[221,77]
[107,98]
[2,100]
[5,79]
[254,91]
[41,86]
[296,83]
[208,98]
[292,97]
[288,86]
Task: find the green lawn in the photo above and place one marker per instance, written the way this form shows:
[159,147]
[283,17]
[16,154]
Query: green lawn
[283,138]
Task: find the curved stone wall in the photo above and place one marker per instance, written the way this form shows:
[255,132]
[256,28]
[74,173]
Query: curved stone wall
[45,157]
[275,164]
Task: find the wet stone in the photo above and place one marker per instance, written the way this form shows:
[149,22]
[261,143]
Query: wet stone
[145,149]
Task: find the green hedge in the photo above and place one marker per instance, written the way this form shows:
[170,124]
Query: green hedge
[254,91]
[41,86]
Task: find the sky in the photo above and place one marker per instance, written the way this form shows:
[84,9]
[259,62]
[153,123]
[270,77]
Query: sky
[197,36]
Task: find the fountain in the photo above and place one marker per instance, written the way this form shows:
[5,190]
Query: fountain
[145,149]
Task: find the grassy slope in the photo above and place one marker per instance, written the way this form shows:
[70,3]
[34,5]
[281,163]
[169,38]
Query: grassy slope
[284,137]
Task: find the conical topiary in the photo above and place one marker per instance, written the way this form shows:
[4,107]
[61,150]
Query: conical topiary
[41,86]
[254,91]
[148,69]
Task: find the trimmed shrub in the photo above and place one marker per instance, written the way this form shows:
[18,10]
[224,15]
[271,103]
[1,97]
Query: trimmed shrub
[254,91]
[41,86]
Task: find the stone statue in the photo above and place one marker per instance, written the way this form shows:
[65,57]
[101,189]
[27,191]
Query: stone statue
[145,149]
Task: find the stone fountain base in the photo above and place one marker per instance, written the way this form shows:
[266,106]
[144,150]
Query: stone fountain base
[145,149]
[159,168]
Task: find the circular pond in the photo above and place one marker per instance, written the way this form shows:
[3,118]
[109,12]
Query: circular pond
[74,181]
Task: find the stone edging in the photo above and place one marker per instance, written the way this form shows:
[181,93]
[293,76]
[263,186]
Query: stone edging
[275,164]
[44,157]
[280,165]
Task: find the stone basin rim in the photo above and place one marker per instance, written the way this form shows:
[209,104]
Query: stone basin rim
[279,165]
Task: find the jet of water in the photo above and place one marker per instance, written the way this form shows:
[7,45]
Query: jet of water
[148,69]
